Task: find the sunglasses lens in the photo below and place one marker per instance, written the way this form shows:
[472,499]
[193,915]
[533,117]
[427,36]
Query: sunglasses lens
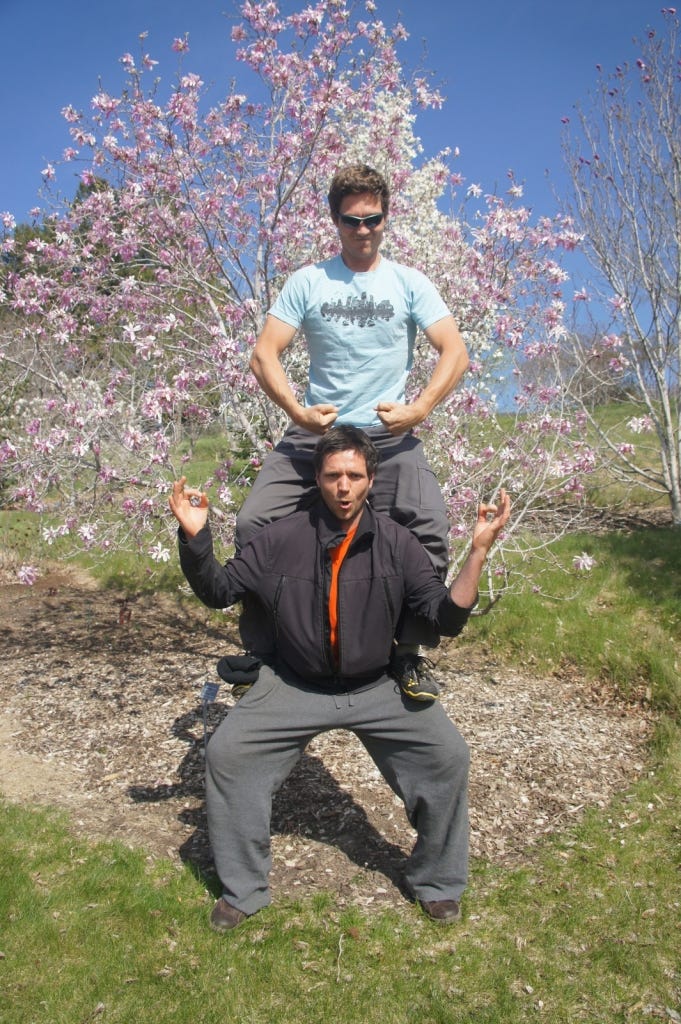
[354,222]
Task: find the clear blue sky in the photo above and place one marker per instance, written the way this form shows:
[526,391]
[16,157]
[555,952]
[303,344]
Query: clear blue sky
[510,71]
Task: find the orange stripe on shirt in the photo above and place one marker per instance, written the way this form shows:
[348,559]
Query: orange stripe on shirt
[337,555]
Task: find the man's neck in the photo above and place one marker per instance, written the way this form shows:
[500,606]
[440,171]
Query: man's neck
[345,525]
[351,526]
[361,266]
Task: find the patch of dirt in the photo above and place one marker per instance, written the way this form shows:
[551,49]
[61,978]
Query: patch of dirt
[102,715]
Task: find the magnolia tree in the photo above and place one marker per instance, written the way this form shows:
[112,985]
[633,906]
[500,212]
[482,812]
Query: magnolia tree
[134,307]
[624,156]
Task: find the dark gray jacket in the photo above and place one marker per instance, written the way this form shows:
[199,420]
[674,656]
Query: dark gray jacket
[288,566]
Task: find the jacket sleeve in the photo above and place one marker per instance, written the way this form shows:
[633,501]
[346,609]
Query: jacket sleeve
[426,594]
[218,586]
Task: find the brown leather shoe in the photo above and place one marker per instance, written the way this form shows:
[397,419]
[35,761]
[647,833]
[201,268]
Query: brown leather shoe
[224,916]
[442,911]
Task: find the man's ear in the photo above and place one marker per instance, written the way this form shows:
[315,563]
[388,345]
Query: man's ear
[371,481]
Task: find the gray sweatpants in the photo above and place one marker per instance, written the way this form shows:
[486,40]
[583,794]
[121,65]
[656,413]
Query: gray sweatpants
[416,747]
[405,488]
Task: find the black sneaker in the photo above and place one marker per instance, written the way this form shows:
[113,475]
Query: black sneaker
[240,670]
[414,675]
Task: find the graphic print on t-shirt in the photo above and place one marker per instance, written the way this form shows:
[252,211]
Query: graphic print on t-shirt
[360,312]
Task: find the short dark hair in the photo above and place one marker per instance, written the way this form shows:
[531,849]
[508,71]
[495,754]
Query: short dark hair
[354,180]
[346,438]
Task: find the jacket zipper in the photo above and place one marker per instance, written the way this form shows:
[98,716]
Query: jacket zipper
[338,673]
[326,627]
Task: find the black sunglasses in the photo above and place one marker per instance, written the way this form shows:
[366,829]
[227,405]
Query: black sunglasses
[372,221]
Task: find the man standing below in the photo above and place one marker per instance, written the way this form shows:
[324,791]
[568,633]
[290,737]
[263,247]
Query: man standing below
[359,313]
[333,579]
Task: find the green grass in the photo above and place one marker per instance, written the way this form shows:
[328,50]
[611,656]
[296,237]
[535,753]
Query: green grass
[19,533]
[619,623]
[123,568]
[127,565]
[603,487]
[589,932]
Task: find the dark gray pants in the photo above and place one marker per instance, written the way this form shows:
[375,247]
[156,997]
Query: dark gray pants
[416,747]
[405,488]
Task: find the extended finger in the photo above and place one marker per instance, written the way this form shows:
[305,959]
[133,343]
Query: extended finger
[485,510]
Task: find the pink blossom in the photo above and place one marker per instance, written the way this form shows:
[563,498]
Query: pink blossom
[28,575]
[618,365]
[105,103]
[70,114]
[190,81]
[640,424]
[87,533]
[159,553]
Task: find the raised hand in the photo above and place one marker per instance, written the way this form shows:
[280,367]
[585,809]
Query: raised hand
[189,506]
[490,522]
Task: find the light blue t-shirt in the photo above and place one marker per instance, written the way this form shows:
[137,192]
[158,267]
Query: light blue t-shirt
[360,331]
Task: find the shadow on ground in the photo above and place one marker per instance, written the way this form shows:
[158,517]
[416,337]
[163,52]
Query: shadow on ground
[310,806]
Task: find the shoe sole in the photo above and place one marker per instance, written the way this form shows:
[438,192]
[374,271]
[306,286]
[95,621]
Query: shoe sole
[422,695]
